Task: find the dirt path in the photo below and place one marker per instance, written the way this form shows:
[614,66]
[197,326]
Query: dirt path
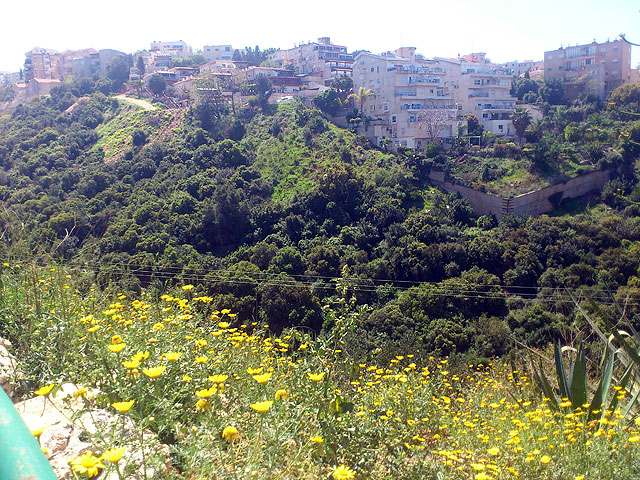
[141,103]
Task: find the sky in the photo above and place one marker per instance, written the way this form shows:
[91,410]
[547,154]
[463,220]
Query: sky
[504,30]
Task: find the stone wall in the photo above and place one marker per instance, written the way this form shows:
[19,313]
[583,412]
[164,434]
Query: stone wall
[528,204]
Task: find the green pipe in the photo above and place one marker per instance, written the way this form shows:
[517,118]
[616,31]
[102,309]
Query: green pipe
[20,454]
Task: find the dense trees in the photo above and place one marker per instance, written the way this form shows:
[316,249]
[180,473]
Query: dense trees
[264,210]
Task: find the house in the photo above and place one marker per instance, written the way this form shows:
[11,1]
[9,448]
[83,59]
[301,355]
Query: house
[218,66]
[42,86]
[411,103]
[321,60]
[595,67]
[481,89]
[282,79]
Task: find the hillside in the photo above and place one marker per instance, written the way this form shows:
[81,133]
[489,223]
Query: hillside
[266,207]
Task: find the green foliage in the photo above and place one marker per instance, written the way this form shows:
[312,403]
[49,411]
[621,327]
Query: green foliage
[157,84]
[624,102]
[328,102]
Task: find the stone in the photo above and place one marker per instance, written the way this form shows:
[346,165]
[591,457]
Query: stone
[69,427]
[8,368]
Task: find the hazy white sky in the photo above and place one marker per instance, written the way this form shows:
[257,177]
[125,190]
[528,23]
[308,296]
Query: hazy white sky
[504,29]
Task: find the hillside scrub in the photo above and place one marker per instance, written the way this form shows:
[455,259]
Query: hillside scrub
[266,208]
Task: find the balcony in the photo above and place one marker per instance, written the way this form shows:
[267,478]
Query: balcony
[478,94]
[415,69]
[496,106]
[405,94]
[424,80]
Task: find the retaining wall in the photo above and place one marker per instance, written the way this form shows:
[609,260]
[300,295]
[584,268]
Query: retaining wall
[527,204]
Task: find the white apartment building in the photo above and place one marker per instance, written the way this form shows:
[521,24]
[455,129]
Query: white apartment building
[482,89]
[321,61]
[177,49]
[408,93]
[217,52]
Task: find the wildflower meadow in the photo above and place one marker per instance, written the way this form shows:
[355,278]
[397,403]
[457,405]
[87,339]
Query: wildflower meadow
[233,400]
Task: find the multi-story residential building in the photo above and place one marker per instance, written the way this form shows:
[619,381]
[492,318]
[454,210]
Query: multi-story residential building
[40,63]
[482,89]
[520,68]
[596,67]
[410,103]
[48,64]
[217,52]
[322,61]
[177,49]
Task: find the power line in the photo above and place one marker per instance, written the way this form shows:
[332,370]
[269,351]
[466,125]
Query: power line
[462,290]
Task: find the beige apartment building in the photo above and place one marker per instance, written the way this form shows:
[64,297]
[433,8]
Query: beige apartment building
[482,89]
[416,99]
[321,61]
[596,67]
[409,96]
[40,63]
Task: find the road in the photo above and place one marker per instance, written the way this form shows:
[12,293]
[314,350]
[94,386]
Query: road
[136,101]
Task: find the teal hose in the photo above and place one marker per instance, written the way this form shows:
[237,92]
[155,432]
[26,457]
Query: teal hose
[20,454]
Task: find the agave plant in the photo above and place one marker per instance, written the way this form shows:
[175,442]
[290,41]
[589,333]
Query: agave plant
[573,385]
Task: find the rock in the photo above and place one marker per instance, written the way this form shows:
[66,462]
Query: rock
[7,367]
[66,439]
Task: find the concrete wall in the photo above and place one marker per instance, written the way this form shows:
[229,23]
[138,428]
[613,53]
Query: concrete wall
[527,204]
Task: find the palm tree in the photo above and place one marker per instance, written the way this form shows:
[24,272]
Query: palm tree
[360,97]
[521,120]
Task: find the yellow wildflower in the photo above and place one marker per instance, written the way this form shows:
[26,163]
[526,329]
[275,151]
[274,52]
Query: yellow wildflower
[154,371]
[131,364]
[316,377]
[81,392]
[123,406]
[87,463]
[264,378]
[262,407]
[172,356]
[218,378]
[117,347]
[343,473]
[230,433]
[44,390]
[114,454]
[203,405]
[281,394]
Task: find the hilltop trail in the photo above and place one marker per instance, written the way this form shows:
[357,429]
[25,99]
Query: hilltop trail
[141,103]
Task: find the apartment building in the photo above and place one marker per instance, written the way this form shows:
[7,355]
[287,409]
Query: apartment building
[482,89]
[321,61]
[410,97]
[176,49]
[40,63]
[217,52]
[596,67]
[518,68]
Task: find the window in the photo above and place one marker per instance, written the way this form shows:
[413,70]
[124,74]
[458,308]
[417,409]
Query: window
[372,69]
[588,61]
[550,57]
[500,127]
[394,118]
